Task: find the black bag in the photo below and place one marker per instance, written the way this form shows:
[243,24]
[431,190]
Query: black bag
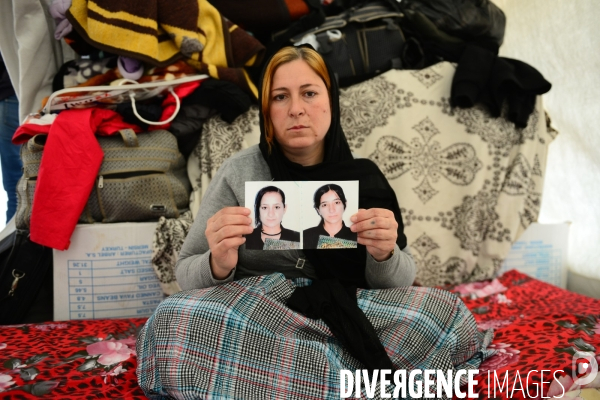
[478,21]
[279,39]
[26,286]
[361,42]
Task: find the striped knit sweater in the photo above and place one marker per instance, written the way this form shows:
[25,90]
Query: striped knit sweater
[160,32]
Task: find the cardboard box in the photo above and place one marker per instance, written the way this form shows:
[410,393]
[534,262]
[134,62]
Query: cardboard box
[107,272]
[541,252]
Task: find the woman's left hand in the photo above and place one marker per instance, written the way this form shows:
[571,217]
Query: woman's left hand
[377,229]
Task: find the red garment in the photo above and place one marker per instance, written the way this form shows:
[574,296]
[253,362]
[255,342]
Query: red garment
[71,161]
[169,102]
[27,131]
[106,123]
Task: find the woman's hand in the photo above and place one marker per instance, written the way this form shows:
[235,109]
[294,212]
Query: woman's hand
[224,232]
[377,229]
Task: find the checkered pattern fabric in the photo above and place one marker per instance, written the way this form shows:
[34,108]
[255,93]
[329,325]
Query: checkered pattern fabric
[240,341]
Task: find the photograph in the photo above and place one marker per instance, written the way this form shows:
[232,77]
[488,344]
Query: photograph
[273,205]
[327,208]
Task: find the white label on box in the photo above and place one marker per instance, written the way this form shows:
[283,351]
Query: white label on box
[541,252]
[106,273]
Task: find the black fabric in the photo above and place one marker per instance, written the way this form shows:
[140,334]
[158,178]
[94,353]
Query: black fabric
[347,265]
[435,44]
[471,20]
[150,110]
[187,126]
[373,42]
[314,18]
[58,82]
[339,268]
[336,306]
[311,235]
[6,88]
[262,17]
[31,300]
[483,77]
[471,77]
[254,241]
[225,97]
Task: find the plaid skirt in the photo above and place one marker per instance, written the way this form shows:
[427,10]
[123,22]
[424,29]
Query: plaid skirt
[240,341]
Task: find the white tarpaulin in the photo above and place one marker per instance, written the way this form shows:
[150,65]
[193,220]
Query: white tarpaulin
[561,39]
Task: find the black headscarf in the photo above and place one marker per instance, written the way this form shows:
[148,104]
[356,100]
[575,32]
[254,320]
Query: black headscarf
[346,265]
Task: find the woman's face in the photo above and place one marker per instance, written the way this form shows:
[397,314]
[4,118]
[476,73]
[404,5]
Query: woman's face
[331,208]
[271,209]
[300,110]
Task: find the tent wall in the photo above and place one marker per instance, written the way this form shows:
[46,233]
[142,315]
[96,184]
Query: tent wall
[561,39]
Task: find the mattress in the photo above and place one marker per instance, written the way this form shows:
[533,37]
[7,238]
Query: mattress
[542,335]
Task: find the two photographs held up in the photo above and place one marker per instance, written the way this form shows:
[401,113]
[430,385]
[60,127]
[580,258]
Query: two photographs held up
[301,215]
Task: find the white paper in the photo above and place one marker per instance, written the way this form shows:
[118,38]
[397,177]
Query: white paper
[541,252]
[106,273]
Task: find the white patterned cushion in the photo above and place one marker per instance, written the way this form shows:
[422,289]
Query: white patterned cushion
[468,184]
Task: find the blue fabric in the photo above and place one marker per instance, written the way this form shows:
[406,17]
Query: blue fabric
[9,153]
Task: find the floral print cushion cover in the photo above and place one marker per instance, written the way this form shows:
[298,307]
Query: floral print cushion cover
[537,327]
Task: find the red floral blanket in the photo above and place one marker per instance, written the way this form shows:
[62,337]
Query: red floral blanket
[537,327]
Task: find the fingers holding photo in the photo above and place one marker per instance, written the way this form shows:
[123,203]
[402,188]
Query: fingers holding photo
[374,219]
[228,222]
[377,229]
[224,233]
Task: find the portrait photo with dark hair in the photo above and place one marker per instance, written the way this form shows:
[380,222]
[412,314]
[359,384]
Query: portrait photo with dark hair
[328,207]
[301,215]
[275,215]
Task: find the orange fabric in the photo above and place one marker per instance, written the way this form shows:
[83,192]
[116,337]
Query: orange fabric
[297,8]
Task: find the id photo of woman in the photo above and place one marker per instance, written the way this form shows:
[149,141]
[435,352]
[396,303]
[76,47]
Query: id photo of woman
[269,206]
[333,209]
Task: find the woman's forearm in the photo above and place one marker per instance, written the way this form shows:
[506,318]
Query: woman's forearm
[398,271]
[193,266]
[194,273]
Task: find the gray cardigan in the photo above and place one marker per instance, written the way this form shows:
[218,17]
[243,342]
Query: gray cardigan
[227,188]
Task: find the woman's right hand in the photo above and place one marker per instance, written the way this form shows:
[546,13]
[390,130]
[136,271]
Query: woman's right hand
[224,232]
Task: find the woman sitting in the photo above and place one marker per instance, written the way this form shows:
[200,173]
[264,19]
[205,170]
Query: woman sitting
[269,208]
[260,329]
[301,140]
[330,203]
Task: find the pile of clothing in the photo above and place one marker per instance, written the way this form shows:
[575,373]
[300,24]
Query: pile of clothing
[125,43]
